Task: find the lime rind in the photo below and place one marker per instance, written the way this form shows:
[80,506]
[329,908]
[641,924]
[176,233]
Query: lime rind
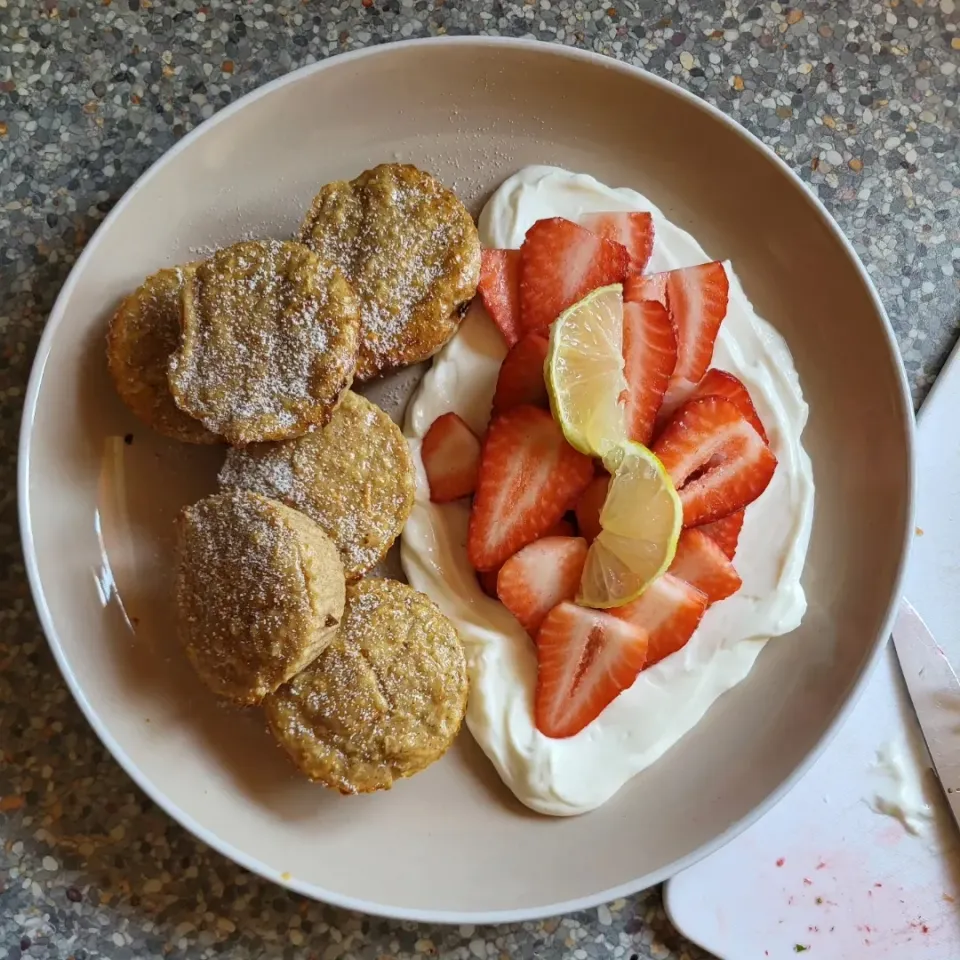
[584,371]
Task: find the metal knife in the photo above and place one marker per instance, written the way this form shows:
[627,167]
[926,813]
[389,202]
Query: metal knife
[935,692]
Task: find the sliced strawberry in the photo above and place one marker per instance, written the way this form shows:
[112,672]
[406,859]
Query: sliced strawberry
[521,375]
[499,289]
[589,505]
[650,355]
[701,561]
[541,575]
[451,456]
[716,460]
[719,383]
[562,528]
[649,286]
[585,658]
[725,532]
[488,582]
[632,230]
[697,301]
[561,262]
[669,610]
[529,475]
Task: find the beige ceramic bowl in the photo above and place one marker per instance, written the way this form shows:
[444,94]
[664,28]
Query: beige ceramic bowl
[96,513]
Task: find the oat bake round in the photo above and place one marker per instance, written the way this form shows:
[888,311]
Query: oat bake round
[268,344]
[259,592]
[143,333]
[411,250]
[354,477]
[383,701]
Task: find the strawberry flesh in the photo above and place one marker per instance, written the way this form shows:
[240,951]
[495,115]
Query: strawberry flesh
[499,289]
[585,658]
[696,298]
[715,458]
[650,356]
[529,475]
[451,456]
[633,230]
[521,375]
[538,577]
[701,562]
[725,532]
[561,262]
[589,505]
[669,611]
[719,383]
[649,286]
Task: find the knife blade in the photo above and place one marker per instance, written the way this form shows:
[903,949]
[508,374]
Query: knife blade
[935,693]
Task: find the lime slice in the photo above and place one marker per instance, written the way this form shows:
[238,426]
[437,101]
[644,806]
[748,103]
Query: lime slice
[584,371]
[640,520]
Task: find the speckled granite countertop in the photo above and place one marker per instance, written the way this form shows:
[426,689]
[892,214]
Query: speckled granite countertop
[861,98]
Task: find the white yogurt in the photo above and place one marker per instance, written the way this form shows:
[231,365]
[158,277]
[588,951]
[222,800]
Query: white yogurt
[564,777]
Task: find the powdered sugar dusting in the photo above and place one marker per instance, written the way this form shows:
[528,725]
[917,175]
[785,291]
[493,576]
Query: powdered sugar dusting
[354,478]
[412,252]
[268,344]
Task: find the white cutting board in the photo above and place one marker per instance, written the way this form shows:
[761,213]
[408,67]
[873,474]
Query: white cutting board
[823,875]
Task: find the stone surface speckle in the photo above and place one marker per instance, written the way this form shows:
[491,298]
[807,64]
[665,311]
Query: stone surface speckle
[859,97]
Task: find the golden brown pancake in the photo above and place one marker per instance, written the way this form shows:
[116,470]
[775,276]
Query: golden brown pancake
[259,593]
[411,251]
[354,477]
[143,333]
[269,341]
[383,701]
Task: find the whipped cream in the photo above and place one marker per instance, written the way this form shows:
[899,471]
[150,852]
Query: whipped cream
[574,775]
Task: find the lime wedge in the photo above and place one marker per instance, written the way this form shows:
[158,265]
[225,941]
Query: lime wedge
[584,371]
[640,524]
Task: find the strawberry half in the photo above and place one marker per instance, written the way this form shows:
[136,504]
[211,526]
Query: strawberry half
[632,230]
[725,532]
[715,458]
[650,356]
[696,298]
[701,562]
[697,301]
[719,383]
[538,577]
[529,475]
[589,505]
[561,262]
[451,456]
[585,659]
[669,611]
[521,375]
[499,288]
[649,286]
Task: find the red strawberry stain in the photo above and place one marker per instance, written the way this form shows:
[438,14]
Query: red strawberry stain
[781,862]
[807,882]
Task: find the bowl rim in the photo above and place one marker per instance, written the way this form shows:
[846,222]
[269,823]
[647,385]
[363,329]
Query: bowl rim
[313,891]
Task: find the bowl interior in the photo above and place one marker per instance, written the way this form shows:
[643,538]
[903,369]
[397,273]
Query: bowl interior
[452,843]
